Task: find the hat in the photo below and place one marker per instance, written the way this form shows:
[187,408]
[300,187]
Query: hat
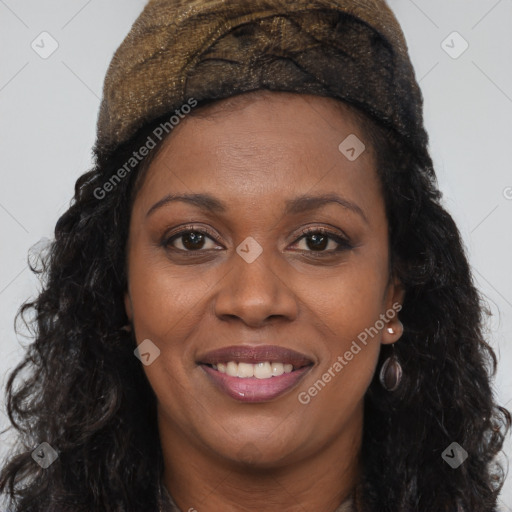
[183,50]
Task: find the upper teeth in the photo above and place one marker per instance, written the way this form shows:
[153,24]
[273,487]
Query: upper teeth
[263,370]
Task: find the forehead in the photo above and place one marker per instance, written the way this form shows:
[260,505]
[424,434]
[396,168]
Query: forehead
[276,107]
[264,145]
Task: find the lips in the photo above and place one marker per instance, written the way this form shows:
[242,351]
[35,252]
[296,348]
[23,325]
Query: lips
[254,389]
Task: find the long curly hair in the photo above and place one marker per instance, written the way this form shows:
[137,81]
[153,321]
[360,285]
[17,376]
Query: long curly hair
[80,388]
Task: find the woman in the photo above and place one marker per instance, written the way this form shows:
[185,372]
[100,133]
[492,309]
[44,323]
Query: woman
[256,300]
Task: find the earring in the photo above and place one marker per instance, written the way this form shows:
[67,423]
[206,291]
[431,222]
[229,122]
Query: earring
[391,372]
[127,328]
[392,330]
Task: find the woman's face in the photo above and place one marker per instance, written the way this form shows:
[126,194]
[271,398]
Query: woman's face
[233,268]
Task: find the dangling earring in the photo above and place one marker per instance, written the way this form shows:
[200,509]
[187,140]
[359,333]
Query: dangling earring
[391,371]
[127,328]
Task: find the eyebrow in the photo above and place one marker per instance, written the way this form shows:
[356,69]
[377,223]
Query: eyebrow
[299,204]
[309,202]
[203,201]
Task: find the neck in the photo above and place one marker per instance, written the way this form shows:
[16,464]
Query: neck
[202,481]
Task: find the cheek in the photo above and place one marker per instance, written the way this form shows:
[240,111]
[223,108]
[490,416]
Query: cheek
[162,299]
[166,307]
[351,298]
[348,308]
[347,314]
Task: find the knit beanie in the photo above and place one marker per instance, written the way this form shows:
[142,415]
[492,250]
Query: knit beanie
[180,53]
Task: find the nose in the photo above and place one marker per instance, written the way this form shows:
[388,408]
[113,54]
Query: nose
[255,292]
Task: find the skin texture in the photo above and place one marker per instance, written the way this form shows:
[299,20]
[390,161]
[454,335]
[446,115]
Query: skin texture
[253,153]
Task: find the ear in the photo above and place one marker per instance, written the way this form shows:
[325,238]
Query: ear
[128,306]
[396,293]
[393,328]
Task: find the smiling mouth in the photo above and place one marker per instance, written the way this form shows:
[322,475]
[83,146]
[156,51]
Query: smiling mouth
[257,373]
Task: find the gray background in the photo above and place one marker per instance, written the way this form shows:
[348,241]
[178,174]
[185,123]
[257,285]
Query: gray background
[49,106]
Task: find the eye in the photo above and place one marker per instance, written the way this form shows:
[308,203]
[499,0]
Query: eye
[319,239]
[190,240]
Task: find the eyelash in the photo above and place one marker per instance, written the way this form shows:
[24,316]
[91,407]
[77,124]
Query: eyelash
[343,242]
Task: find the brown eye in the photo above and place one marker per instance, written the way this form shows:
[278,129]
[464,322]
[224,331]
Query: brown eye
[323,241]
[193,240]
[317,242]
[189,241]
